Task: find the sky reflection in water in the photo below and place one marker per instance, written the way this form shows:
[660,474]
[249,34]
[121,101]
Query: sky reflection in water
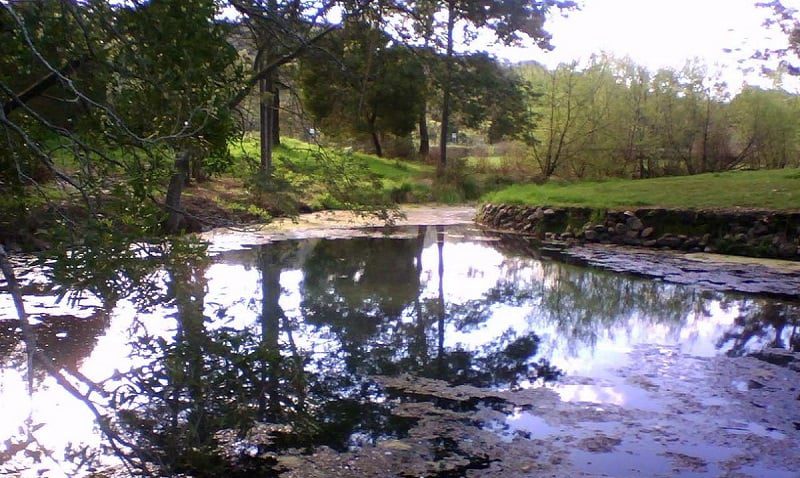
[315,319]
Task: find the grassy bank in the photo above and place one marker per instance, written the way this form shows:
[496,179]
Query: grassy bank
[767,189]
[307,167]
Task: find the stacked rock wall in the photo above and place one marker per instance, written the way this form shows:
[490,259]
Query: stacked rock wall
[747,233]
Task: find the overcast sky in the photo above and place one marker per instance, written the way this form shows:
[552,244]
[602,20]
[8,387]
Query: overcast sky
[661,33]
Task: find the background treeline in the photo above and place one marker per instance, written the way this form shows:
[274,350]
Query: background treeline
[609,118]
[614,118]
[111,110]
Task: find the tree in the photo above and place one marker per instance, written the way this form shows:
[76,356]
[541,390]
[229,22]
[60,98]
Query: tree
[561,107]
[490,96]
[508,20]
[362,83]
[280,32]
[765,128]
[630,110]
[114,103]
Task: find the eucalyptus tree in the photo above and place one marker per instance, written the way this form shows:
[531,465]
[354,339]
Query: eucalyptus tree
[360,82]
[279,32]
[139,81]
[509,21]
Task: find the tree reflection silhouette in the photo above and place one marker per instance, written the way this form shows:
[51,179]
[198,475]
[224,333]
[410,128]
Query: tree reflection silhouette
[372,303]
[765,322]
[210,398]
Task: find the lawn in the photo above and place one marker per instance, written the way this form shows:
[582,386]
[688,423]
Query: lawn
[295,153]
[767,189]
[307,165]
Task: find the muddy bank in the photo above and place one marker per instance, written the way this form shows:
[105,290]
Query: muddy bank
[336,225]
[750,233]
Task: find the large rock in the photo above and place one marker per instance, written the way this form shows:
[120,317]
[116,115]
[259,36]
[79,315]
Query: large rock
[670,241]
[634,223]
[758,229]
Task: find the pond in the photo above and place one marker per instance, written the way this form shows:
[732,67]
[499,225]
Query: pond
[431,351]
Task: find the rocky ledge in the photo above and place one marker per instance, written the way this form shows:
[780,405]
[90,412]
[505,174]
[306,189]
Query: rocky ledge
[752,233]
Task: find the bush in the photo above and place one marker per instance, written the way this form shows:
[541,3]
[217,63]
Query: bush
[454,153]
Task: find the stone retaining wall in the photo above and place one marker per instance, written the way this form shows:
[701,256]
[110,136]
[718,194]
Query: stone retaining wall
[747,232]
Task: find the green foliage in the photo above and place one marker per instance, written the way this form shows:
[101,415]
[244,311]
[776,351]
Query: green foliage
[613,118]
[490,96]
[765,123]
[456,185]
[361,83]
[307,175]
[146,80]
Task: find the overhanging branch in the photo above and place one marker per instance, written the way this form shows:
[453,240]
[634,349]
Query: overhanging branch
[45,83]
[271,67]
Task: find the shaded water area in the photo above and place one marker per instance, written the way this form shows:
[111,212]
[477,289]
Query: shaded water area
[437,352]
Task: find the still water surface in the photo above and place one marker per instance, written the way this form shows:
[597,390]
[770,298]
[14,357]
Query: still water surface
[292,334]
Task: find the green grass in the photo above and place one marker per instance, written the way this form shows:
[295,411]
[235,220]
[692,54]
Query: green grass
[301,162]
[298,153]
[767,189]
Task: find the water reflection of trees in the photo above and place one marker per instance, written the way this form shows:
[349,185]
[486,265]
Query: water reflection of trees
[66,340]
[346,292]
[762,322]
[585,305]
[214,400]
[205,391]
[362,314]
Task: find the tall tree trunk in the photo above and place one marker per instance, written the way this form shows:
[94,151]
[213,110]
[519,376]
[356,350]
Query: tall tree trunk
[376,141]
[266,88]
[197,173]
[174,191]
[276,116]
[376,137]
[424,138]
[451,20]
